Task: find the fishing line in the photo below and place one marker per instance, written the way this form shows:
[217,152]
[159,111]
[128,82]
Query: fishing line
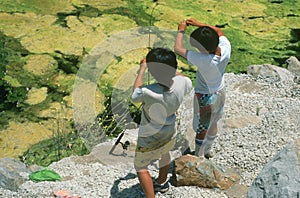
[149,36]
[150,24]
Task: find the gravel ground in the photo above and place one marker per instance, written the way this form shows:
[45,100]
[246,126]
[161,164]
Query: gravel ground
[261,117]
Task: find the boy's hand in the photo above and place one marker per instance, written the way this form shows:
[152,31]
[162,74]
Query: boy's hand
[191,21]
[143,64]
[182,26]
[194,22]
[143,61]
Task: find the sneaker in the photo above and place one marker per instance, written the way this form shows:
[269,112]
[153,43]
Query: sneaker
[209,155]
[160,187]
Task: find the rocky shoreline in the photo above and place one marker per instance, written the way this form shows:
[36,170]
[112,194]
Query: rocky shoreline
[261,118]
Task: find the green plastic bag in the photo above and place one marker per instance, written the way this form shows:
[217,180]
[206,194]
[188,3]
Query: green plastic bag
[44,175]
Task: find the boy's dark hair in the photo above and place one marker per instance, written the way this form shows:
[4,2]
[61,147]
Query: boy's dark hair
[205,36]
[162,65]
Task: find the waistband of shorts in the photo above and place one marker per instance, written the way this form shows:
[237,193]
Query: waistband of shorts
[144,149]
[210,94]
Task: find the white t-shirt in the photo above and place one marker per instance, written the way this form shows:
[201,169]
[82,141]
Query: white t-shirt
[211,68]
[158,112]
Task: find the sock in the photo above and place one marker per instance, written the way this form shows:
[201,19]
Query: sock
[209,141]
[198,144]
[202,147]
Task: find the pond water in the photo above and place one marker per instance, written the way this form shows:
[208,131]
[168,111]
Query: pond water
[18,137]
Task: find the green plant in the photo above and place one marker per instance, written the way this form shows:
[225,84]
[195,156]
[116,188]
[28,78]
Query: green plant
[257,110]
[67,63]
[108,119]
[11,94]
[118,112]
[62,144]
[3,62]
[54,149]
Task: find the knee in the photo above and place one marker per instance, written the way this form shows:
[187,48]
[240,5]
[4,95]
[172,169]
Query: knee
[201,135]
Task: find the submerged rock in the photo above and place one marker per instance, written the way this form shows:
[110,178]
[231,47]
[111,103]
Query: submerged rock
[36,96]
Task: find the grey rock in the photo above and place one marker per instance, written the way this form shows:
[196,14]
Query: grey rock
[293,65]
[11,173]
[271,72]
[280,177]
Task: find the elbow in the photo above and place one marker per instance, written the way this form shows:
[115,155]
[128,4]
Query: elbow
[220,33]
[180,51]
[177,49]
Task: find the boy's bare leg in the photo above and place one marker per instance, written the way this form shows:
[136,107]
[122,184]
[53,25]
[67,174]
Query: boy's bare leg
[146,182]
[164,165]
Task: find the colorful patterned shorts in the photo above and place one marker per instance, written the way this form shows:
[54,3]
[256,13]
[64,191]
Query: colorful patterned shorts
[208,108]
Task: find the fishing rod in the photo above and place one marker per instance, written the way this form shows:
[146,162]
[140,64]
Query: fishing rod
[127,143]
[149,34]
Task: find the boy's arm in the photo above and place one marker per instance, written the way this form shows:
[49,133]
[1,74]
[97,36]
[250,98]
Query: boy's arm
[139,79]
[194,22]
[178,48]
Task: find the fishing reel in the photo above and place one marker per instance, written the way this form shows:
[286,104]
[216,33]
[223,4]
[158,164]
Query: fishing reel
[125,145]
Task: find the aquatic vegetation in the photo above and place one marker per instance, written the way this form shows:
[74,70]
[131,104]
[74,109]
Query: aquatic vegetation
[43,44]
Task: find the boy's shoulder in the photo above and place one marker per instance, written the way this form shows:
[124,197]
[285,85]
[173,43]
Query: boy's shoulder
[152,88]
[183,81]
[181,78]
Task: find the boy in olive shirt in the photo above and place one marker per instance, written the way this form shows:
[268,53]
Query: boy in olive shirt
[157,130]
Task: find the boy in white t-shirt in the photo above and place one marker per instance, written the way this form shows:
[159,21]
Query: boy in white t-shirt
[157,131]
[211,59]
